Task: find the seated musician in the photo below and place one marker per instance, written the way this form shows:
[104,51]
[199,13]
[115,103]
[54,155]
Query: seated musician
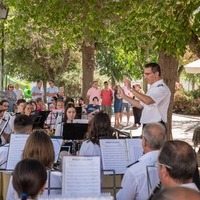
[5,129]
[100,128]
[40,147]
[69,116]
[40,104]
[27,109]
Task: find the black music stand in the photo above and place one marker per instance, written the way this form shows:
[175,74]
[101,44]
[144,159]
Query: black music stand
[39,118]
[74,131]
[78,112]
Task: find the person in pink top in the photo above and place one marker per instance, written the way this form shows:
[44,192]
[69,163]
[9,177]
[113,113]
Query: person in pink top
[94,91]
[107,98]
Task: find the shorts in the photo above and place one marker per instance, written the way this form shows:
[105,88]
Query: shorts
[127,106]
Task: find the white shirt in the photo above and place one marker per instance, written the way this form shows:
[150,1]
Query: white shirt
[53,89]
[36,89]
[3,124]
[89,149]
[156,112]
[19,93]
[56,181]
[190,185]
[3,156]
[134,183]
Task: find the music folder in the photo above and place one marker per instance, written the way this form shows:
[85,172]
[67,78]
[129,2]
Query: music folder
[117,154]
[16,148]
[39,118]
[74,131]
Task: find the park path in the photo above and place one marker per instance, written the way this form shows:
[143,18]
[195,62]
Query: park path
[182,126]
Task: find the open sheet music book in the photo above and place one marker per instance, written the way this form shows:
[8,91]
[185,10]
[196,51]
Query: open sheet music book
[16,147]
[117,154]
[81,176]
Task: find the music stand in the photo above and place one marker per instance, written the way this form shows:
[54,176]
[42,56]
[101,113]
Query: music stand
[39,119]
[74,131]
[78,112]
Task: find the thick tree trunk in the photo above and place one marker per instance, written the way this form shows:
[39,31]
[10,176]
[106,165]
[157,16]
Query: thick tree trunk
[169,67]
[88,65]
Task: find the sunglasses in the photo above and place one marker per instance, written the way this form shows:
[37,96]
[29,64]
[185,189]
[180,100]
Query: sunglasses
[11,87]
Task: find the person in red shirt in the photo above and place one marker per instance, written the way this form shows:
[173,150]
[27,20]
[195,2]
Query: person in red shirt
[107,98]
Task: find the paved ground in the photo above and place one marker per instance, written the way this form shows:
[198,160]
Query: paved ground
[182,126]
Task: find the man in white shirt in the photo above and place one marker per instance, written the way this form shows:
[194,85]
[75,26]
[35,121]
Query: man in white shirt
[18,92]
[141,177]
[37,91]
[51,91]
[156,101]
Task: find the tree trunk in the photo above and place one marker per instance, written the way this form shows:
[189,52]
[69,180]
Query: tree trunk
[194,44]
[169,67]
[88,65]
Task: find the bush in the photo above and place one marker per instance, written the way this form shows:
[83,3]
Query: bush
[187,102]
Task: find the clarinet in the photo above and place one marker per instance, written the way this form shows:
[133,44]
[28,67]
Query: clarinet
[156,190]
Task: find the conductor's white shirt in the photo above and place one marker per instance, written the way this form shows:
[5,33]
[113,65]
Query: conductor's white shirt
[156,112]
[135,184]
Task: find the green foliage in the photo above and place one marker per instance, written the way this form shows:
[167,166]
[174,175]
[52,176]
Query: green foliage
[117,64]
[187,102]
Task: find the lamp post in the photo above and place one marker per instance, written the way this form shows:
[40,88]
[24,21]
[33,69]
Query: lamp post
[3,15]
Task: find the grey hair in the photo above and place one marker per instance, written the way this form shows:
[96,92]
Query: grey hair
[155,135]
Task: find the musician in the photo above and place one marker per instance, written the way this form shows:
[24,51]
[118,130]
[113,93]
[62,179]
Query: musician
[4,127]
[27,109]
[22,124]
[69,116]
[100,128]
[136,183]
[20,105]
[180,170]
[177,193]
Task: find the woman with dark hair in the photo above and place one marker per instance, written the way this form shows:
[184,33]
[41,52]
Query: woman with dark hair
[100,128]
[69,116]
[29,179]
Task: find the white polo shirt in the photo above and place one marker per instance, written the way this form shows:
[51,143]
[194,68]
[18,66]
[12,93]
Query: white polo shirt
[53,89]
[156,112]
[36,89]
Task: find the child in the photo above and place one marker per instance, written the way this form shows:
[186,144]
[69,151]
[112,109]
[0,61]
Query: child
[29,179]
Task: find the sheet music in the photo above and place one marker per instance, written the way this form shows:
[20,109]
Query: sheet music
[17,143]
[134,147]
[82,176]
[114,155]
[57,143]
